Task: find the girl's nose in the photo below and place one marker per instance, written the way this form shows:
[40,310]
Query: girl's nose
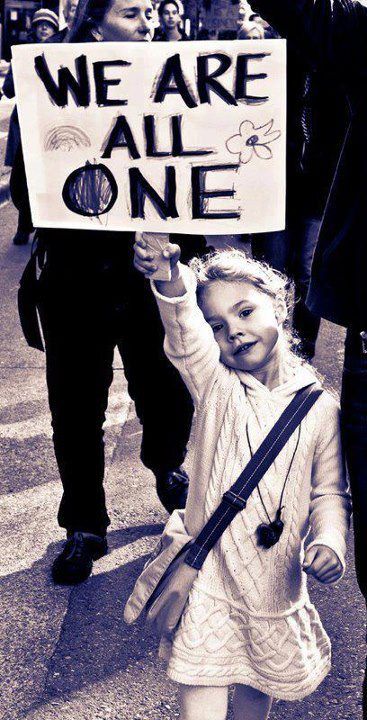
[233,333]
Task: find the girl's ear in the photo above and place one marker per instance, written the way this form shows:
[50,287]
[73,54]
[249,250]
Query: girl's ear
[280,310]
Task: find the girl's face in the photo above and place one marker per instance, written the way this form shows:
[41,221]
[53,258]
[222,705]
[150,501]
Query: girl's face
[170,17]
[44,30]
[246,324]
[127,20]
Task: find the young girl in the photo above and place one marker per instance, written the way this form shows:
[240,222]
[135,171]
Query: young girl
[249,620]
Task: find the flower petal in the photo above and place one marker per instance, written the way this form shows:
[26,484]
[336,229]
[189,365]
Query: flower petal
[272,136]
[266,133]
[247,128]
[247,153]
[234,144]
[266,128]
[263,152]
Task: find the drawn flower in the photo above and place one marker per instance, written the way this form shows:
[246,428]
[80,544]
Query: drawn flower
[251,139]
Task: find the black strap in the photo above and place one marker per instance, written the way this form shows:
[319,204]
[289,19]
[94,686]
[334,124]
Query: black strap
[27,304]
[234,500]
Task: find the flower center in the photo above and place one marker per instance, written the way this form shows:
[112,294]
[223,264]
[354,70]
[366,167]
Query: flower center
[252,140]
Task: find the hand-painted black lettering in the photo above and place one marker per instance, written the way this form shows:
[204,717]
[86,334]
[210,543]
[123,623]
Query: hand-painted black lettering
[102,83]
[90,190]
[121,136]
[200,195]
[150,138]
[243,77]
[172,81]
[177,144]
[78,87]
[206,80]
[140,188]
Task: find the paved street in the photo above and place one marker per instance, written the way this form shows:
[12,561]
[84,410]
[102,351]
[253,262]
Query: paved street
[65,653]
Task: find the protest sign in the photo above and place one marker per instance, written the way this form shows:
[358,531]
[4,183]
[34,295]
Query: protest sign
[167,137]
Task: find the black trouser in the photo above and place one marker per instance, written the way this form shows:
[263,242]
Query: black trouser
[87,308]
[291,252]
[19,193]
[354,427]
[354,433]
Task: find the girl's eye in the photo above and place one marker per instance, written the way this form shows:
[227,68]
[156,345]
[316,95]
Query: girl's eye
[245,313]
[216,328]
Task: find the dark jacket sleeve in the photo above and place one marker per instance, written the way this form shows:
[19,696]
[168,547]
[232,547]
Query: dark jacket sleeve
[329,34]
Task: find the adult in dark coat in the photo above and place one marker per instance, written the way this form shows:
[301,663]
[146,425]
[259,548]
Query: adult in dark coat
[92,300]
[331,37]
[45,24]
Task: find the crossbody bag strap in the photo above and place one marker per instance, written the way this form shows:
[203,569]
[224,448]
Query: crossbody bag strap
[234,500]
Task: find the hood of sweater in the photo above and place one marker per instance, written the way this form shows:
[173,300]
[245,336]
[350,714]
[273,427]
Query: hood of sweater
[301,378]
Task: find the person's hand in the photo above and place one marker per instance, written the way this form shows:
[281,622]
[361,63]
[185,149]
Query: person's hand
[145,260]
[323,563]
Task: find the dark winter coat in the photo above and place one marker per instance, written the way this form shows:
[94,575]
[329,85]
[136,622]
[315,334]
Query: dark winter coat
[331,37]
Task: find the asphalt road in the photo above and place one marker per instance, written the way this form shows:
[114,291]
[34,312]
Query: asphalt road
[65,653]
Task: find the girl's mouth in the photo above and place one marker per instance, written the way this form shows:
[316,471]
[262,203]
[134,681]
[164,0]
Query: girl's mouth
[244,348]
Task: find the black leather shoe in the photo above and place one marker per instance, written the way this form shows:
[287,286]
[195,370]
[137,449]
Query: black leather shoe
[172,488]
[75,562]
[21,237]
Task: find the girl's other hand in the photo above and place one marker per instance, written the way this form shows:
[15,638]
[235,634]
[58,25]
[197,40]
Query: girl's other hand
[323,563]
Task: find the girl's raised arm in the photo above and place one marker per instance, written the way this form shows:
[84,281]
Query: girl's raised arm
[189,341]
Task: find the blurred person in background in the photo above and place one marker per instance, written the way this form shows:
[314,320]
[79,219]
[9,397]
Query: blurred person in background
[45,24]
[313,146]
[329,39]
[250,26]
[170,14]
[69,10]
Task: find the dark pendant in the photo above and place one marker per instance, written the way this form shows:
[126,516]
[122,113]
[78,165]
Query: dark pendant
[268,534]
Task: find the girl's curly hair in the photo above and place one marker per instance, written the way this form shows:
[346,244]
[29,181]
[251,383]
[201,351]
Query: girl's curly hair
[235,266]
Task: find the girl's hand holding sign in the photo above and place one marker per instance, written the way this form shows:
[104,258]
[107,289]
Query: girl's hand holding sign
[159,263]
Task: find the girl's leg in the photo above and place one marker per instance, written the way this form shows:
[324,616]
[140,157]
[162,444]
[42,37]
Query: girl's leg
[203,703]
[250,704]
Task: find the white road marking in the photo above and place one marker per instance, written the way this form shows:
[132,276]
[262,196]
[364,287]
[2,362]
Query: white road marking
[117,414]
[36,508]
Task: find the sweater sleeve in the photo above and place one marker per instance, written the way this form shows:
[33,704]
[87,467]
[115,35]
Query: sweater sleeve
[189,343]
[330,506]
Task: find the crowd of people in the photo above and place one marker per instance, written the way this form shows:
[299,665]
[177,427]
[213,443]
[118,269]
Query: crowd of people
[229,356]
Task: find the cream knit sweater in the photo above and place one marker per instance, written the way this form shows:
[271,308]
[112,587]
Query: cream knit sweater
[249,618]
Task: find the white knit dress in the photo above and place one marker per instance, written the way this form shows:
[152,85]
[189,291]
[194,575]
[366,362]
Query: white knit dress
[249,618]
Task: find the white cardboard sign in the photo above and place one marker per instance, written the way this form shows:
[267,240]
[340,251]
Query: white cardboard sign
[182,137]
